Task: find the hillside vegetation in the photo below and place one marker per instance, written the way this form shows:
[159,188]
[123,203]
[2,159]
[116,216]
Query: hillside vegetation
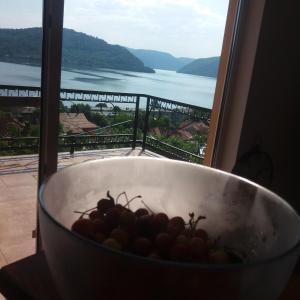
[160,60]
[80,50]
[203,66]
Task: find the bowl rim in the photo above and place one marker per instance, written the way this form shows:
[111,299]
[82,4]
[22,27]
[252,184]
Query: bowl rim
[167,263]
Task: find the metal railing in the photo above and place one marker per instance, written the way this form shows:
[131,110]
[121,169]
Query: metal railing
[170,151]
[66,141]
[140,133]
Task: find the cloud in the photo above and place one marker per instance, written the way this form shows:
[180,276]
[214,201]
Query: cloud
[167,25]
[195,5]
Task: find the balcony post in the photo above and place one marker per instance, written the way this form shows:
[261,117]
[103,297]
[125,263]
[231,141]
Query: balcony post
[146,124]
[136,120]
[53,12]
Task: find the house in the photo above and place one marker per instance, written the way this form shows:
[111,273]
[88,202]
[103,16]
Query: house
[76,123]
[10,126]
[189,129]
[155,131]
[28,114]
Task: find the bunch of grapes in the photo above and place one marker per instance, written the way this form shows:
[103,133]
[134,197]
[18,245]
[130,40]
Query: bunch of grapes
[145,233]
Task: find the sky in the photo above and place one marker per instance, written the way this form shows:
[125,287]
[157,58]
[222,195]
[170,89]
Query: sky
[183,28]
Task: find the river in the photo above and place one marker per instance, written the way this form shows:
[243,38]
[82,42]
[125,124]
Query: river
[191,89]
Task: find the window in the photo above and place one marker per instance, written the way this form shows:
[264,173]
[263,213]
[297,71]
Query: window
[143,116]
[19,125]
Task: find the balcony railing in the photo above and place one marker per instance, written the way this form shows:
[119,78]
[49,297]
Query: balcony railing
[144,108]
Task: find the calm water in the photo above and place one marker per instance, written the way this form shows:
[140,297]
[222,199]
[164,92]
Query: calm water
[190,89]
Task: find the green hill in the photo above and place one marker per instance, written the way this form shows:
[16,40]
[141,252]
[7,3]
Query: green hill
[160,60]
[79,50]
[203,66]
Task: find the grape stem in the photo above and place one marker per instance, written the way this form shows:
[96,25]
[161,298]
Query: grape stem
[130,200]
[193,223]
[110,197]
[147,207]
[117,199]
[84,212]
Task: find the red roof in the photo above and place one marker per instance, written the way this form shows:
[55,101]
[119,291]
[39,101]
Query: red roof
[76,122]
[188,129]
[7,122]
[155,131]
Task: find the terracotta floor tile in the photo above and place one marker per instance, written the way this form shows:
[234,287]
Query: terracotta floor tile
[17,221]
[3,261]
[13,180]
[1,297]
[18,251]
[2,184]
[18,192]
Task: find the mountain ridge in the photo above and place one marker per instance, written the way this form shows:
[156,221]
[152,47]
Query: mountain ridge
[82,51]
[159,59]
[79,50]
[207,67]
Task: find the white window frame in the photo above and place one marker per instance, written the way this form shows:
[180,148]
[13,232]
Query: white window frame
[240,42]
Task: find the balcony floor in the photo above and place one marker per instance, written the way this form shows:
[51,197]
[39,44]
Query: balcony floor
[18,197]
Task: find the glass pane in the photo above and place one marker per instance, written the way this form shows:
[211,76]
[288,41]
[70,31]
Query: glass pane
[20,81]
[139,75]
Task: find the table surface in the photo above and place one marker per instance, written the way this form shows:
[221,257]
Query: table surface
[29,279]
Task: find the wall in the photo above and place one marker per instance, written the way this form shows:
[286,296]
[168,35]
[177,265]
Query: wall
[270,116]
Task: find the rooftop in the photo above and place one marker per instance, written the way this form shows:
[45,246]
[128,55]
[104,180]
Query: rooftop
[76,123]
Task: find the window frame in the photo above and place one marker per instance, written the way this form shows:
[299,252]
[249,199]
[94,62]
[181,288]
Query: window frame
[233,82]
[53,12]
[240,42]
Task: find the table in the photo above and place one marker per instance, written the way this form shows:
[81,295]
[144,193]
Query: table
[29,279]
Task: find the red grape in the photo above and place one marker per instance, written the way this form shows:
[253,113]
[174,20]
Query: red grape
[121,236]
[127,219]
[178,221]
[100,226]
[173,230]
[182,239]
[144,225]
[150,235]
[112,243]
[142,246]
[160,221]
[141,212]
[187,232]
[197,248]
[163,242]
[218,257]
[120,207]
[100,237]
[95,214]
[112,217]
[179,252]
[175,226]
[201,233]
[83,227]
[104,205]
[210,244]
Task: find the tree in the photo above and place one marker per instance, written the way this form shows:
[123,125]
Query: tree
[101,105]
[63,108]
[161,122]
[81,108]
[116,109]
[98,119]
[181,143]
[141,119]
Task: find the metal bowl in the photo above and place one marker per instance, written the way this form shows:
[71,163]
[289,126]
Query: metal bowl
[243,215]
